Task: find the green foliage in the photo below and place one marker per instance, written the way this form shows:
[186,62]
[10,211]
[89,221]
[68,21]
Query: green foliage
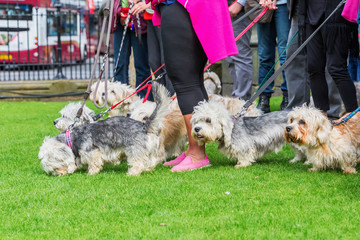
[272,199]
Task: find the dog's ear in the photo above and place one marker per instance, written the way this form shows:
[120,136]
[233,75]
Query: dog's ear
[323,131]
[227,126]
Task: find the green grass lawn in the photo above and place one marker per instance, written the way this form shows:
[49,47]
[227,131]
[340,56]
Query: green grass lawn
[272,199]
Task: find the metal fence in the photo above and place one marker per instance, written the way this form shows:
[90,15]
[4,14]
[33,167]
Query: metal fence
[48,43]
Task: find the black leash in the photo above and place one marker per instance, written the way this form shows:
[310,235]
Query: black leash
[246,14]
[286,63]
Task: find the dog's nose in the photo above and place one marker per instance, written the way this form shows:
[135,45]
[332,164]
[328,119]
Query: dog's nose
[288,128]
[55,122]
[128,114]
[197,129]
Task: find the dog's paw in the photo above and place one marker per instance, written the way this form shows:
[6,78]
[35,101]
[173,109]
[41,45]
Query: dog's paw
[349,170]
[313,169]
[242,165]
[133,172]
[294,160]
[93,171]
[307,162]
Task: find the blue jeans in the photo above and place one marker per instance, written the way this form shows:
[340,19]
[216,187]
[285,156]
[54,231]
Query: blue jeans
[268,34]
[140,52]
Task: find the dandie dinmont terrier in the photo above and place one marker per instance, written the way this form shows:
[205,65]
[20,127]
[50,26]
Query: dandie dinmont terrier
[108,141]
[236,105]
[212,83]
[327,146]
[174,137]
[246,139]
[116,92]
[68,115]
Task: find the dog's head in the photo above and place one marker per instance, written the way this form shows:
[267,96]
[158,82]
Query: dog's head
[118,92]
[211,122]
[68,114]
[307,126]
[99,94]
[56,157]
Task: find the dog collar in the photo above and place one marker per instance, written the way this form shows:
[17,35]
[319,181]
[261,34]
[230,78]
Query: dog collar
[68,137]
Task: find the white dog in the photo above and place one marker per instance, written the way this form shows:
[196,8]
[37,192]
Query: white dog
[116,92]
[68,114]
[327,146]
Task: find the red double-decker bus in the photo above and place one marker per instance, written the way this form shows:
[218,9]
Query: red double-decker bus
[29,31]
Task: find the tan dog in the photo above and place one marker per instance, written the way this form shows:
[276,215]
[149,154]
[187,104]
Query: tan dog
[327,146]
[174,136]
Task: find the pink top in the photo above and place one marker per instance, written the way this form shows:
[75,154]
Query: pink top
[212,24]
[350,11]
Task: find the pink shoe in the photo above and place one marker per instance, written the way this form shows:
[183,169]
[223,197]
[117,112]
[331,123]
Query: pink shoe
[187,164]
[176,161]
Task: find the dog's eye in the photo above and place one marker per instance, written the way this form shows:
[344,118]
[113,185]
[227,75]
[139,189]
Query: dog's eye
[208,120]
[302,122]
[291,120]
[113,92]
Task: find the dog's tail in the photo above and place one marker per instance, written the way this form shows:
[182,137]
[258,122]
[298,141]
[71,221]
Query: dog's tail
[161,96]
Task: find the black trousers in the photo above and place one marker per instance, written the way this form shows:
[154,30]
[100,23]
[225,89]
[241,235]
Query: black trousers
[184,56]
[319,56]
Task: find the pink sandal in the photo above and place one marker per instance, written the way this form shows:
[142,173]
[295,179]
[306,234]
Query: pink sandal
[176,161]
[187,164]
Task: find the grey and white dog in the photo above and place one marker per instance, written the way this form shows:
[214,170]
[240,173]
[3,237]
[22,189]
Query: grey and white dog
[246,139]
[108,141]
[68,114]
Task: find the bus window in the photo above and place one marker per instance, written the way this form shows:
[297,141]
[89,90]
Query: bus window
[68,24]
[15,11]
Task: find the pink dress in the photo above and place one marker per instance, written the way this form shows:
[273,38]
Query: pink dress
[212,24]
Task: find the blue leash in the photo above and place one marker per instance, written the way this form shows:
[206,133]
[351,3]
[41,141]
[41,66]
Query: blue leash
[345,119]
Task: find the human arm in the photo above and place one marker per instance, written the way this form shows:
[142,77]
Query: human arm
[271,4]
[236,7]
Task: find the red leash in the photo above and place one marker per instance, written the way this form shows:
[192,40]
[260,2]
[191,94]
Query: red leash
[246,29]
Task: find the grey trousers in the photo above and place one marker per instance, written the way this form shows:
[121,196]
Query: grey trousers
[298,81]
[240,65]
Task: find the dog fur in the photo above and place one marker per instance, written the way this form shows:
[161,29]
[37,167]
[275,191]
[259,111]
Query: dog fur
[327,146]
[68,115]
[108,141]
[246,139]
[174,132]
[117,92]
[212,83]
[235,105]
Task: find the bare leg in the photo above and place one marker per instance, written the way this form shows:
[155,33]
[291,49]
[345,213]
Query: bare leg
[195,151]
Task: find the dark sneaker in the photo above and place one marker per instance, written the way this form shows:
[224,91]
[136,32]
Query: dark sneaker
[284,102]
[264,103]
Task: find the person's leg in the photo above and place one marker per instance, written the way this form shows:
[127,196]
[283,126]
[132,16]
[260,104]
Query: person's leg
[335,102]
[185,60]
[337,66]
[121,73]
[240,65]
[296,72]
[282,25]
[316,69]
[141,61]
[266,52]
